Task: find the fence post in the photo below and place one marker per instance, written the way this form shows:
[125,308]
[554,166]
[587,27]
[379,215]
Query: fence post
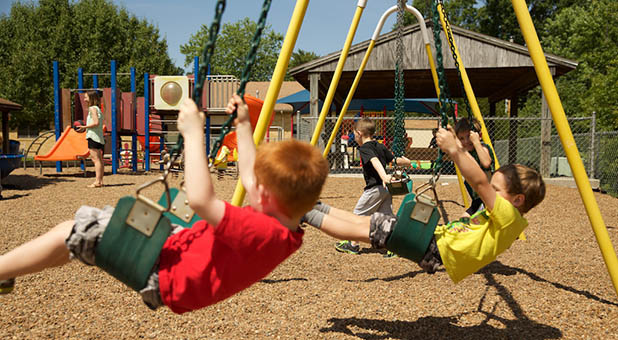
[299,136]
[545,137]
[593,129]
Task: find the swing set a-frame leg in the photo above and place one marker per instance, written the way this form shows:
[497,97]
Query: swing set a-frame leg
[566,138]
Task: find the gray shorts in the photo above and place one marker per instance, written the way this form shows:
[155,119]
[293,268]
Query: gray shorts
[380,229]
[374,199]
[90,223]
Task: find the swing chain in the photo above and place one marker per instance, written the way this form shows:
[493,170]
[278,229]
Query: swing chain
[202,75]
[455,59]
[246,73]
[399,130]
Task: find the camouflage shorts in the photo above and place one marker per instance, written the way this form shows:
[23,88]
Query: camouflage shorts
[380,229]
[90,223]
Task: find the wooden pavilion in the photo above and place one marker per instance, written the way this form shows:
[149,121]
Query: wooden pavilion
[497,70]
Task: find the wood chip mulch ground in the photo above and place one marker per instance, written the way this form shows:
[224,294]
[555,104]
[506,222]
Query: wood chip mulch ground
[554,285]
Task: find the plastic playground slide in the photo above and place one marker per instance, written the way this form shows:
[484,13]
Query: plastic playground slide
[71,145]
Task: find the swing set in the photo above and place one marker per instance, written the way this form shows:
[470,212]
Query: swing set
[133,239]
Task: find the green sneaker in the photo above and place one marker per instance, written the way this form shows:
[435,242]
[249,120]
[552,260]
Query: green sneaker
[389,255]
[6,286]
[347,247]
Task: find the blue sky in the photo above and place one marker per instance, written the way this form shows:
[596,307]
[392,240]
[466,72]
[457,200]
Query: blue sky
[324,28]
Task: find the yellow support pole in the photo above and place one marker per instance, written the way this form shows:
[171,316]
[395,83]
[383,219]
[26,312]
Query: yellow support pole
[348,99]
[566,138]
[434,73]
[275,84]
[337,75]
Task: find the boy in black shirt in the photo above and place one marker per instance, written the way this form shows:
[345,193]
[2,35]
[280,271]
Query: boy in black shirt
[374,157]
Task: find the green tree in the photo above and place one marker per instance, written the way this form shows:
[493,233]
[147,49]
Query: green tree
[298,58]
[497,17]
[461,13]
[587,33]
[87,34]
[231,48]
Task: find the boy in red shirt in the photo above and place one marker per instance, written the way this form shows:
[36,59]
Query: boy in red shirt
[229,250]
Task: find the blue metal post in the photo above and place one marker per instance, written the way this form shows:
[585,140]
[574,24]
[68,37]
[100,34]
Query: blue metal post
[114,119]
[80,85]
[146,121]
[80,79]
[134,120]
[95,81]
[57,108]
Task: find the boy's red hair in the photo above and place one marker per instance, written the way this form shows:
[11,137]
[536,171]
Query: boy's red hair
[294,172]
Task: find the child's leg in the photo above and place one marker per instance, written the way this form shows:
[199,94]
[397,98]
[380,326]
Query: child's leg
[343,225]
[46,251]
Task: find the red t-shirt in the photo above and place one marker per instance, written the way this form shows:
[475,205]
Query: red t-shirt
[204,265]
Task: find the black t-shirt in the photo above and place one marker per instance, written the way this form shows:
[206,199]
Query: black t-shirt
[368,151]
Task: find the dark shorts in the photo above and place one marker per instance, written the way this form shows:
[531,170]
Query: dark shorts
[95,145]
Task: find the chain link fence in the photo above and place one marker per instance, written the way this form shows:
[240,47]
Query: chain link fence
[530,141]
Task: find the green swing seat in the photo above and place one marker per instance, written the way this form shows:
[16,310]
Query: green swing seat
[180,213]
[132,241]
[417,219]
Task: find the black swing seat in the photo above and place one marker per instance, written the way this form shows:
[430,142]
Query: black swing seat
[399,187]
[417,219]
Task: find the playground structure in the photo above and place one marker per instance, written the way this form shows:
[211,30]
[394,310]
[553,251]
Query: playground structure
[149,120]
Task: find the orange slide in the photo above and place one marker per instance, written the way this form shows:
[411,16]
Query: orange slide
[71,145]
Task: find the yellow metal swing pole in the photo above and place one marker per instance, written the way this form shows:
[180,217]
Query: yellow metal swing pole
[275,84]
[337,75]
[566,138]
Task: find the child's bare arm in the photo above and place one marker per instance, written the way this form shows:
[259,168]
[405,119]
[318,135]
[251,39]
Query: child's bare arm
[471,171]
[246,146]
[380,169]
[483,152]
[403,161]
[200,191]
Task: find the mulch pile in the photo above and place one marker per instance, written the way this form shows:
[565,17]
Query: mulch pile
[553,285]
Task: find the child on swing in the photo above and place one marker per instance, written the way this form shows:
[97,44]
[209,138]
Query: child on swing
[374,157]
[229,250]
[466,130]
[462,246]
